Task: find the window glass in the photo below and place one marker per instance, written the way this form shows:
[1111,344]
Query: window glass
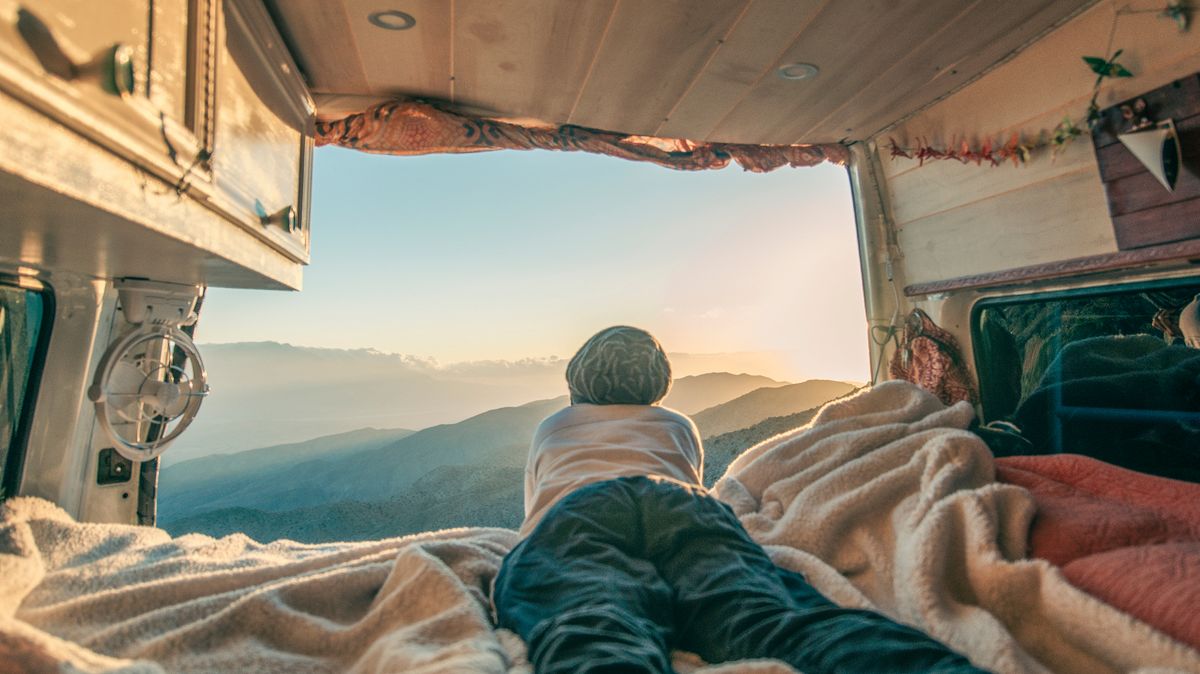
[21,317]
[1105,374]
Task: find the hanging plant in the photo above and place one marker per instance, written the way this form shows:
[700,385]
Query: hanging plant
[1063,135]
[1103,68]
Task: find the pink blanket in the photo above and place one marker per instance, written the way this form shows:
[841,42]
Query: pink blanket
[1130,539]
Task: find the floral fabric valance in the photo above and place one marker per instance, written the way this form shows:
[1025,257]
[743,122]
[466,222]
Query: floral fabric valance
[406,127]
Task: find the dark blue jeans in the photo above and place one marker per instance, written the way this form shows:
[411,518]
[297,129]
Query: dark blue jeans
[620,572]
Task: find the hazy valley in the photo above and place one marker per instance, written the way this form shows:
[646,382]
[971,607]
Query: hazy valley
[266,393]
[371,483]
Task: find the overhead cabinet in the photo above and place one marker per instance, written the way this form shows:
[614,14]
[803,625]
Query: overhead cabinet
[203,108]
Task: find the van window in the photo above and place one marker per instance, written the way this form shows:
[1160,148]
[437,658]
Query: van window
[23,314]
[1104,373]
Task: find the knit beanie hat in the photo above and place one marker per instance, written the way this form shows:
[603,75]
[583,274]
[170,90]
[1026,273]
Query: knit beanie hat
[619,366]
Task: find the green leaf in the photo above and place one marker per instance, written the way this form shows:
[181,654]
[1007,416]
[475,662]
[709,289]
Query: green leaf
[1097,64]
[1120,71]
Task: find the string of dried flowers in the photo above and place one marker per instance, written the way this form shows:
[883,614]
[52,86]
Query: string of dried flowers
[1015,150]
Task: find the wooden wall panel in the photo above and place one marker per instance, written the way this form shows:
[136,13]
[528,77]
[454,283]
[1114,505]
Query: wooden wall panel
[1032,92]
[954,220]
[1025,226]
[537,65]
[849,52]
[1178,221]
[946,185]
[649,58]
[748,55]
[1141,191]
[1144,212]
[974,41]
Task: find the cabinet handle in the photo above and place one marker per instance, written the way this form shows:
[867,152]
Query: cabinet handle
[112,68]
[285,218]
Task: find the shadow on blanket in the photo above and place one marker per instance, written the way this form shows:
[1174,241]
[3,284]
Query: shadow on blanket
[884,502]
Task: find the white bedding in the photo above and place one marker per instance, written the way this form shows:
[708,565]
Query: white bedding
[883,502]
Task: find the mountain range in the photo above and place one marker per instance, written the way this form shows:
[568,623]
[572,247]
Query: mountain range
[266,393]
[370,483]
[763,403]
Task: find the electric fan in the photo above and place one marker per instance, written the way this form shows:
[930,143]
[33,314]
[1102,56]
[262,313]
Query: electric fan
[148,388]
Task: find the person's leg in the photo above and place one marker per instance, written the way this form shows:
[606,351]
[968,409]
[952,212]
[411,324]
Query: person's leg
[733,603]
[579,595]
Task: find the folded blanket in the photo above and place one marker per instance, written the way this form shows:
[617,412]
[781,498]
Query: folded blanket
[1128,538]
[886,502]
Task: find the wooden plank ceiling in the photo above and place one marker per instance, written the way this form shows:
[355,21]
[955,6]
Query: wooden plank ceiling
[700,69]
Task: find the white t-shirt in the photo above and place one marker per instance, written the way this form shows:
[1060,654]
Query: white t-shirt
[583,443]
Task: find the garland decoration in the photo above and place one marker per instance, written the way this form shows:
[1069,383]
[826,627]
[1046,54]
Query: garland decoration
[1015,149]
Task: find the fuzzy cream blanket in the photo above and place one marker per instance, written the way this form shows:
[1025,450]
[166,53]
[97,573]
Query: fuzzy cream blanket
[883,502]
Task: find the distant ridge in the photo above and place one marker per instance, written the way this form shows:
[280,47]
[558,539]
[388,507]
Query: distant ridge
[763,403]
[498,437]
[368,465]
[448,496]
[205,483]
[371,483]
[268,393]
[697,392]
[327,446]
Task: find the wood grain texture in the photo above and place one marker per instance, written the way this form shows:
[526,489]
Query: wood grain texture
[1017,228]
[1164,224]
[946,185]
[534,67]
[1132,188]
[978,38]
[413,62]
[1177,252]
[1145,213]
[748,55]
[852,45]
[705,69]
[651,55]
[1047,210]
[1034,90]
[1116,161]
[319,36]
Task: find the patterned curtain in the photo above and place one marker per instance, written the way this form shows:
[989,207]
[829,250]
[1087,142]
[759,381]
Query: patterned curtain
[407,127]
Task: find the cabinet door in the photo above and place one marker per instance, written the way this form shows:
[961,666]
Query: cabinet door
[170,76]
[120,72]
[262,146]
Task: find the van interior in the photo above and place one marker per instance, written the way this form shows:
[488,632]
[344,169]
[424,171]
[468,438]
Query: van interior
[1020,480]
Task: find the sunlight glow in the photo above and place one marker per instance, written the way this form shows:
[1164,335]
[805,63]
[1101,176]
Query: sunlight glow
[509,255]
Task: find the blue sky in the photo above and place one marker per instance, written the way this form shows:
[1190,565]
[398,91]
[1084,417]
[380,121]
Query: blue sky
[506,255]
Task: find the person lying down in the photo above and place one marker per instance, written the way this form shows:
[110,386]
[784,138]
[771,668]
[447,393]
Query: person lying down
[624,555]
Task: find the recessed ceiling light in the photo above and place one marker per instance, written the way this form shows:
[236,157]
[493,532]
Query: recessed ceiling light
[798,71]
[392,19]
